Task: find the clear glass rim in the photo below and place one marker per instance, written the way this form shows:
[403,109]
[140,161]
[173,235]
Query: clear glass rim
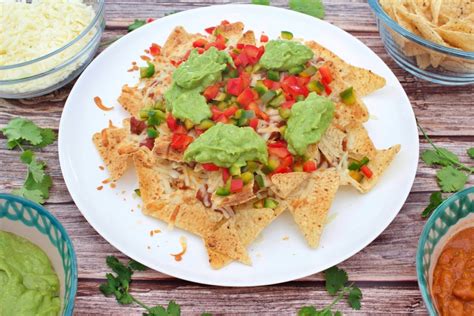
[97,16]
[380,13]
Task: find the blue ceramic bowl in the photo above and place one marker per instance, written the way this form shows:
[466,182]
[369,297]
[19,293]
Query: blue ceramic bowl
[451,216]
[33,222]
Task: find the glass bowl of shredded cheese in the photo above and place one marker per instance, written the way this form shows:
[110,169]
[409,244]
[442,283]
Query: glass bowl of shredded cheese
[44,44]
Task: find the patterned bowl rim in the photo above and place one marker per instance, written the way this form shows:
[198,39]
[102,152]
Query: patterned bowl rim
[68,308]
[422,283]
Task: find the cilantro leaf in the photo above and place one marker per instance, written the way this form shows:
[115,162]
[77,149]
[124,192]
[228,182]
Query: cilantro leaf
[43,186]
[20,129]
[136,266]
[335,279]
[441,156]
[206,314]
[261,2]
[307,311]
[470,152]
[48,136]
[156,311]
[36,170]
[311,7]
[435,200]
[33,195]
[135,25]
[355,295]
[450,179]
[173,309]
[110,286]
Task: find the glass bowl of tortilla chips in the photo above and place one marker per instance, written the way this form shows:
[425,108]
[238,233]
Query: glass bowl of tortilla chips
[431,39]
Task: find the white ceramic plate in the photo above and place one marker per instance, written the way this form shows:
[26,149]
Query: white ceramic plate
[281,253]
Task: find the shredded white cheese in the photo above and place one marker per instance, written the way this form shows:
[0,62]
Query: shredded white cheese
[32,30]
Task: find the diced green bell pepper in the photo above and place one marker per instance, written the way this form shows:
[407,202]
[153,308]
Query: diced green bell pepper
[286,35]
[348,96]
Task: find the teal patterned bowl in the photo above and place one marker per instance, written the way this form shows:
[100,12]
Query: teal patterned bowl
[453,215]
[33,222]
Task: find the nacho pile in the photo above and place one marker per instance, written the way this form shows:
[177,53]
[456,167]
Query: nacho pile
[228,130]
[448,23]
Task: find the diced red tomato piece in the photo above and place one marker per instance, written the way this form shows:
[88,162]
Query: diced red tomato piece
[253,123]
[240,45]
[246,97]
[253,106]
[198,131]
[268,83]
[252,53]
[155,49]
[236,185]
[200,43]
[225,174]
[292,88]
[210,30]
[148,142]
[303,81]
[277,144]
[211,91]
[230,111]
[263,38]
[171,122]
[245,79]
[225,22]
[180,129]
[309,166]
[280,152]
[137,126]
[149,20]
[180,142]
[366,171]
[285,164]
[326,76]
[210,167]
[242,60]
[186,56]
[327,88]
[288,104]
[235,86]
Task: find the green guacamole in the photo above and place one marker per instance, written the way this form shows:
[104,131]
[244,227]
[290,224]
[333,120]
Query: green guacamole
[283,55]
[308,121]
[190,79]
[225,145]
[28,283]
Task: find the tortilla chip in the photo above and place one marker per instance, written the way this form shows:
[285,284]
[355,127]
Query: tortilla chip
[179,43]
[162,149]
[459,40]
[378,165]
[283,184]
[435,10]
[364,81]
[310,205]
[193,217]
[359,144]
[232,32]
[131,100]
[247,38]
[332,144]
[148,178]
[457,9]
[225,240]
[107,143]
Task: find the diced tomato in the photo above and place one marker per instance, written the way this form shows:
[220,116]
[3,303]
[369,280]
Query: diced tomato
[180,142]
[245,79]
[186,56]
[288,104]
[252,53]
[155,49]
[200,50]
[216,113]
[292,88]
[219,43]
[198,131]
[326,76]
[277,144]
[230,111]
[211,91]
[235,86]
[210,30]
[225,22]
[236,185]
[246,97]
[210,167]
[285,164]
[366,171]
[240,45]
[280,152]
[327,88]
[253,106]
[253,123]
[241,60]
[200,43]
[149,20]
[225,174]
[171,122]
[222,119]
[180,129]
[268,83]
[148,142]
[303,81]
[263,38]
[309,166]
[137,126]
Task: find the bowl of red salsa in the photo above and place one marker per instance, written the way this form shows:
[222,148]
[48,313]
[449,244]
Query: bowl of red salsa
[445,257]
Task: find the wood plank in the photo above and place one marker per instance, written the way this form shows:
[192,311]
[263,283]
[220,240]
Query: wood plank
[279,300]
[391,257]
[14,175]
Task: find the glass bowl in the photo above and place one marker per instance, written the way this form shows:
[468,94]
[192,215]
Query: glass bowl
[453,215]
[33,222]
[54,70]
[453,66]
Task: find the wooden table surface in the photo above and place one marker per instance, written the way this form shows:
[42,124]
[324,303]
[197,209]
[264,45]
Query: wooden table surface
[385,270]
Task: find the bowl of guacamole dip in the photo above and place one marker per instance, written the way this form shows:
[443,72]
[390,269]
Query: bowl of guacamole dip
[38,268]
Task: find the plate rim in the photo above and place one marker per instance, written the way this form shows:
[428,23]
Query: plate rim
[274,280]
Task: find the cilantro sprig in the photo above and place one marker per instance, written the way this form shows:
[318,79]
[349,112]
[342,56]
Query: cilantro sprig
[311,7]
[22,132]
[453,175]
[337,284]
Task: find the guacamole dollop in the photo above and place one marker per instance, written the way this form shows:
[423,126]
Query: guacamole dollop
[225,145]
[283,55]
[183,99]
[28,283]
[308,122]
